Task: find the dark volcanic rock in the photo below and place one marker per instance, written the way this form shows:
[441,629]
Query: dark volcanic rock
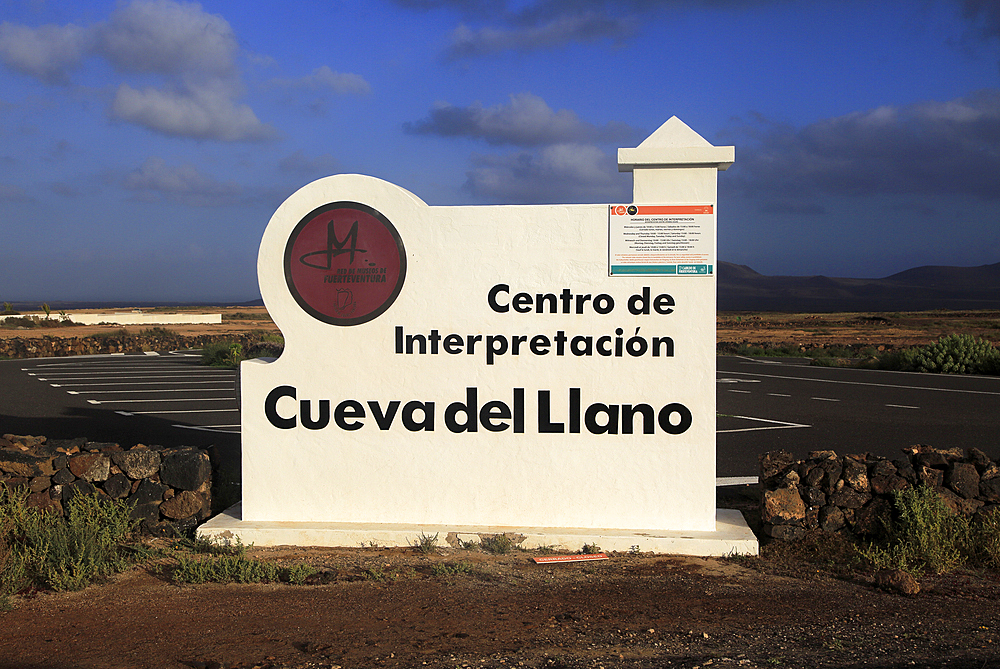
[185,468]
[963,478]
[118,486]
[138,462]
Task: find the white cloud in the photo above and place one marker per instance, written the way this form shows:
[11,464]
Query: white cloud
[194,52]
[204,113]
[526,121]
[558,173]
[49,52]
[170,38]
[155,180]
[950,147]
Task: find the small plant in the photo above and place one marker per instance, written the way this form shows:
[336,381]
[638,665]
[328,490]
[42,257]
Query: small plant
[926,536]
[158,332]
[425,544]
[210,546]
[447,569]
[224,569]
[469,545]
[222,354]
[498,544]
[8,308]
[42,549]
[591,549]
[986,540]
[375,573]
[15,322]
[297,574]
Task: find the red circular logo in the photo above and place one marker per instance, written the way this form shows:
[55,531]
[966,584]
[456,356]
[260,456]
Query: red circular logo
[345,263]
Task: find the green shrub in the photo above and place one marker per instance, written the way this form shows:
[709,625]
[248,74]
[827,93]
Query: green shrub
[224,569]
[264,349]
[43,549]
[298,573]
[425,543]
[951,354]
[925,536]
[13,322]
[231,353]
[447,569]
[158,332]
[222,354]
[986,540]
[498,544]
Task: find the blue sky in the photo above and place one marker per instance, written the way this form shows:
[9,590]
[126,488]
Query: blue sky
[144,144]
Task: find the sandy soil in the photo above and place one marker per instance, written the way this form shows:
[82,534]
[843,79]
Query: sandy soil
[388,608]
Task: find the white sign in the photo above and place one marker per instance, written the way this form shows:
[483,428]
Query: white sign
[473,366]
[532,369]
[661,239]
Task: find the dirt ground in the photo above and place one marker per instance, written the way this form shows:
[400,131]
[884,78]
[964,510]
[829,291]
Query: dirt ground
[876,329]
[371,607]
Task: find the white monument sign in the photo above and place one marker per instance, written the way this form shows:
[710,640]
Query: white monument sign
[536,370]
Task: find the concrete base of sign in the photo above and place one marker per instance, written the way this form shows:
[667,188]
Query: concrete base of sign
[731,535]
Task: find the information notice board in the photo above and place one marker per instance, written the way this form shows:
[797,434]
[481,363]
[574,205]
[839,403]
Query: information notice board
[674,239]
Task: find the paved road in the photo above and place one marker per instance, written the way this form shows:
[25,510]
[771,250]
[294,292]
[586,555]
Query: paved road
[769,404]
[171,399]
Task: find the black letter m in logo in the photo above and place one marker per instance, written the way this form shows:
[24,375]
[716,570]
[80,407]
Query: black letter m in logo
[334,247]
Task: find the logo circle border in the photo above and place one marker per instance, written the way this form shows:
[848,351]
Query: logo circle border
[312,311]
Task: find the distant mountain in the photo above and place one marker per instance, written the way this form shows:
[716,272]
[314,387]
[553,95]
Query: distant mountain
[918,289]
[743,289]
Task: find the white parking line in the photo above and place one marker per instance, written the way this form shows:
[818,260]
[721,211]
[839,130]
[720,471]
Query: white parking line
[776,425]
[138,383]
[188,399]
[735,480]
[873,385]
[176,370]
[778,395]
[87,378]
[141,364]
[901,406]
[185,411]
[824,399]
[155,390]
[743,392]
[208,428]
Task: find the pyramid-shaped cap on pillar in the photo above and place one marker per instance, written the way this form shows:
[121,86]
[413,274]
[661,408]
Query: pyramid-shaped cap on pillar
[675,144]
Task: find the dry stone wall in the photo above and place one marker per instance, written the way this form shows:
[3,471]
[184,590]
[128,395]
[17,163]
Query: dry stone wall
[854,493]
[52,347]
[170,488]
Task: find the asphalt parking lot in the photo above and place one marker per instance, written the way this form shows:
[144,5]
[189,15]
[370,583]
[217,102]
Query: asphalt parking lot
[170,398]
[166,398]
